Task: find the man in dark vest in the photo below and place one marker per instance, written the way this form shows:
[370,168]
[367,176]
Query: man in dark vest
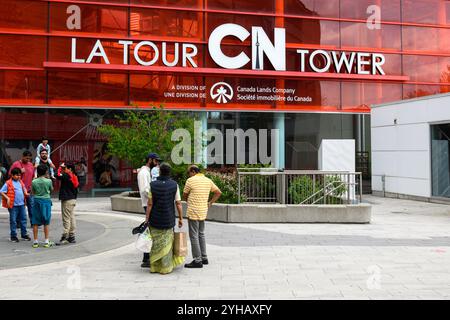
[163,197]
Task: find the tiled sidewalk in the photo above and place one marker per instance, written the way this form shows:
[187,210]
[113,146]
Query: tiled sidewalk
[403,254]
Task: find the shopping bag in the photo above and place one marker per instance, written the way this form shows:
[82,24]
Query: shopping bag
[180,244]
[144,241]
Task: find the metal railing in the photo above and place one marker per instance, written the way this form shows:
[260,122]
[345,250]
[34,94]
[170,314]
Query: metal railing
[270,185]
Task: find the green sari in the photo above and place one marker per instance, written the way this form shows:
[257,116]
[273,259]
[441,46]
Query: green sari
[162,259]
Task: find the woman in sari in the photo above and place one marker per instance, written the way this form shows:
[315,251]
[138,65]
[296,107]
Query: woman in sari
[164,195]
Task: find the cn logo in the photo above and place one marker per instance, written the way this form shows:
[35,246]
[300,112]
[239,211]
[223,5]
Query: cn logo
[221,92]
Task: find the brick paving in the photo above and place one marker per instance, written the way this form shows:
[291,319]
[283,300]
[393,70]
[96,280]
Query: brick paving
[403,254]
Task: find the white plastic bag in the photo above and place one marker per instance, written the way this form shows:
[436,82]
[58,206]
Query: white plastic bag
[144,241]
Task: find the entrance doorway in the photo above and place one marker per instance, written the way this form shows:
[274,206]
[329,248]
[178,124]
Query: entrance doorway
[440,160]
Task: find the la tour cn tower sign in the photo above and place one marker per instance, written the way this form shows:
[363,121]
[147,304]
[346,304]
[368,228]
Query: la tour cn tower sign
[181,58]
[361,63]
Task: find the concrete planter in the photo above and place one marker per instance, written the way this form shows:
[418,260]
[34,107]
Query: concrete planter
[122,202]
[268,213]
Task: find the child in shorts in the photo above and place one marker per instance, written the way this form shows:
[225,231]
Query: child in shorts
[41,187]
[14,195]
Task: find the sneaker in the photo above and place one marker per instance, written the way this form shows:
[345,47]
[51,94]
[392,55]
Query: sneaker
[63,240]
[145,264]
[14,239]
[71,239]
[205,261]
[35,245]
[26,238]
[194,264]
[49,244]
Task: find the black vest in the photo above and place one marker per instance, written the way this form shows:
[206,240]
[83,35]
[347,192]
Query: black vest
[163,191]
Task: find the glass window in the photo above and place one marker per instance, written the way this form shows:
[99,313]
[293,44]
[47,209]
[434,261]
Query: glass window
[214,20]
[427,68]
[321,8]
[420,38]
[393,64]
[358,35]
[243,6]
[147,89]
[23,15]
[87,88]
[27,87]
[424,11]
[169,3]
[306,31]
[360,95]
[94,19]
[411,91]
[24,127]
[166,23]
[389,9]
[304,133]
[314,95]
[426,39]
[440,160]
[112,1]
[22,51]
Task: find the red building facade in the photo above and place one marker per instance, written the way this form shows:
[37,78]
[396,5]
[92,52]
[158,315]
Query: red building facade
[46,90]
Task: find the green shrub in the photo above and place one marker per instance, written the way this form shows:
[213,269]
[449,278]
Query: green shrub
[303,187]
[227,183]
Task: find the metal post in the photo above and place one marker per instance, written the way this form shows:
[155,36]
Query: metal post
[204,119]
[360,188]
[314,185]
[283,188]
[348,188]
[239,187]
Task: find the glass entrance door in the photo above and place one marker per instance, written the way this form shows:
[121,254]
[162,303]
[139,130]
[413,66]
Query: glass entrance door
[440,160]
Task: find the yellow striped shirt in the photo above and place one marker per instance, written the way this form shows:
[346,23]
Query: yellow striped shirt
[198,187]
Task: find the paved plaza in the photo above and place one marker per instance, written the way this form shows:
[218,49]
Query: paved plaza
[403,254]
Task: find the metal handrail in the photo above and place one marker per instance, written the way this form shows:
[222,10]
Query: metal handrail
[316,193]
[275,190]
[325,193]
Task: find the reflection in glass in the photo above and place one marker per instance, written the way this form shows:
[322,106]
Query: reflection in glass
[304,133]
[440,160]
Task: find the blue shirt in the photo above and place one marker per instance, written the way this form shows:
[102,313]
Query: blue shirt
[154,173]
[19,197]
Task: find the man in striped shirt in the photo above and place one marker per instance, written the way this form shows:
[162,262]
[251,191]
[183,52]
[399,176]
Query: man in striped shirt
[196,192]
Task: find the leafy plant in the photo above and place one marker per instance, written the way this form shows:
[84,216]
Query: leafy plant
[304,187]
[140,132]
[336,187]
[227,183]
[301,188]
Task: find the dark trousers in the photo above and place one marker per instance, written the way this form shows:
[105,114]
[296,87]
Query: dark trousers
[30,204]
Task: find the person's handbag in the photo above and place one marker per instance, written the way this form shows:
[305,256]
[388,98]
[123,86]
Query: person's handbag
[140,228]
[144,241]
[180,244]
